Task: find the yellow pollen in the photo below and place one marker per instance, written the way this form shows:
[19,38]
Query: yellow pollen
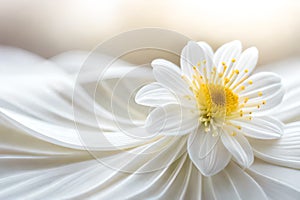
[264,102]
[258,106]
[227,80]
[260,94]
[250,82]
[198,64]
[237,71]
[233,134]
[233,60]
[204,61]
[223,63]
[246,100]
[243,87]
[246,71]
[224,68]
[215,101]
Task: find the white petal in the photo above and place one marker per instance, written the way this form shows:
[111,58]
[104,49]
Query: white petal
[264,127]
[247,61]
[284,151]
[208,50]
[207,153]
[29,171]
[239,147]
[194,189]
[233,183]
[266,83]
[207,187]
[155,94]
[68,136]
[226,53]
[289,109]
[277,182]
[244,184]
[274,188]
[171,119]
[288,69]
[261,79]
[38,100]
[169,75]
[193,54]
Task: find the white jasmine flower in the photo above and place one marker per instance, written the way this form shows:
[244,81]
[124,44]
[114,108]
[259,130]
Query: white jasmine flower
[215,99]
[43,157]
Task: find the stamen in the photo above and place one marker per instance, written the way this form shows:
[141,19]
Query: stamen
[226,80]
[234,74]
[234,125]
[214,72]
[224,68]
[226,71]
[241,113]
[186,80]
[233,134]
[197,76]
[252,105]
[205,74]
[239,82]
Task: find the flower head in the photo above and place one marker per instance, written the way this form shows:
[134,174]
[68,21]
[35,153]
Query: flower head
[215,99]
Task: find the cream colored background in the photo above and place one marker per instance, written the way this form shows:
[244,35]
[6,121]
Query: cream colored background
[48,27]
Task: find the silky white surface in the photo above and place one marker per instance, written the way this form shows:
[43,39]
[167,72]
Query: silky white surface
[51,163]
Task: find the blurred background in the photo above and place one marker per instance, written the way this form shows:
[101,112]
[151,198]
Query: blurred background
[49,27]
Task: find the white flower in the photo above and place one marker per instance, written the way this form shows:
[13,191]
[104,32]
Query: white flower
[42,156]
[216,100]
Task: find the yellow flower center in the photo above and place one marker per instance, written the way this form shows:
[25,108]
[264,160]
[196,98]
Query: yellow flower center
[216,94]
[215,101]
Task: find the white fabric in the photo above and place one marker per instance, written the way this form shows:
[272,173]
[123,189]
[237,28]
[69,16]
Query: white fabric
[45,158]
